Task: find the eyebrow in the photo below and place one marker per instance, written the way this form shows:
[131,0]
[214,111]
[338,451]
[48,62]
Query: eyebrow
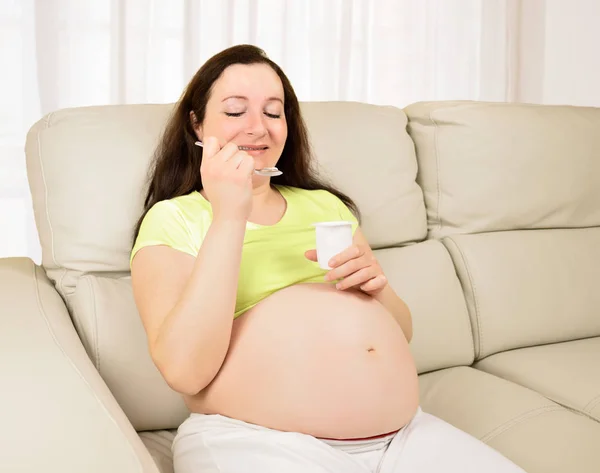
[241,97]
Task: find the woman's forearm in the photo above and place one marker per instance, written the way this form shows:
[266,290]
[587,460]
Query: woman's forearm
[398,308]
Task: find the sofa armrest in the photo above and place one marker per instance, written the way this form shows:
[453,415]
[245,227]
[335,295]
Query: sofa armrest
[57,414]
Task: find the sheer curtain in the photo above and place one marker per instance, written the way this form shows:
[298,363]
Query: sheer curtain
[68,53]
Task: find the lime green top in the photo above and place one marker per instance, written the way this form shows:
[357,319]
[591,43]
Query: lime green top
[272,255]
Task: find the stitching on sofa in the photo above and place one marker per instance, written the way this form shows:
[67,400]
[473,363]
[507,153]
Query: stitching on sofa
[63,273]
[437,168]
[479,343]
[589,407]
[94,325]
[47,209]
[518,420]
[576,410]
[562,402]
[74,367]
[59,282]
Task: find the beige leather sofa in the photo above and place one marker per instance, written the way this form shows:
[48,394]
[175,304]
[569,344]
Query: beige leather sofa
[485,217]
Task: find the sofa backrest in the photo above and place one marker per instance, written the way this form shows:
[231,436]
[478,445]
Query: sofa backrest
[87,170]
[513,192]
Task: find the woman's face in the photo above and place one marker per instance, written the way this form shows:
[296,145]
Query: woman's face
[246,108]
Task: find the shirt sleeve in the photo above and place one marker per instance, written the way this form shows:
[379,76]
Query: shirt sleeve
[164,224]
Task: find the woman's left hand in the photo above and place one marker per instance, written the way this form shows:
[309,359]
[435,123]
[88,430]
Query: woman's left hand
[356,266]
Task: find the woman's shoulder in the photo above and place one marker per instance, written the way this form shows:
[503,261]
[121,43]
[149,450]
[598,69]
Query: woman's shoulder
[189,210]
[180,222]
[194,201]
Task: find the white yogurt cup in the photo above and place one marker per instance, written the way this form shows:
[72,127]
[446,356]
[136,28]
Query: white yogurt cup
[332,238]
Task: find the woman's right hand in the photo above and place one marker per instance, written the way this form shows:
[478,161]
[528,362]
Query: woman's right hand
[227,179]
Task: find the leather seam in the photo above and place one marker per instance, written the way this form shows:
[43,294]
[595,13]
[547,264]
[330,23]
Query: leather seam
[480,343]
[437,168]
[518,420]
[590,406]
[42,312]
[94,324]
[47,207]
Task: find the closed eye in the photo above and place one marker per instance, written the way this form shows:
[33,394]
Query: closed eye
[239,114]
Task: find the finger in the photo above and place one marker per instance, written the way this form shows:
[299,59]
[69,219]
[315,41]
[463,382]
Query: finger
[311,255]
[246,166]
[349,267]
[234,161]
[375,284]
[352,252]
[227,152]
[358,278]
[211,147]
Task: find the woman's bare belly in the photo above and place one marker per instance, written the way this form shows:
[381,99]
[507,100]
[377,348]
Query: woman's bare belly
[313,359]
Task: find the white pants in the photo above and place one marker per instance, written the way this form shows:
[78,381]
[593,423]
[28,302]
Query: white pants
[218,444]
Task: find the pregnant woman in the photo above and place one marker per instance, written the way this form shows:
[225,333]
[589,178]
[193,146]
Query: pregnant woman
[285,367]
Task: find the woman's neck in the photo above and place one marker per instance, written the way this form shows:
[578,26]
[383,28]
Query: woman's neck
[263,195]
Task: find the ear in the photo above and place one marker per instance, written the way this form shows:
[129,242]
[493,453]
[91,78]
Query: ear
[195,125]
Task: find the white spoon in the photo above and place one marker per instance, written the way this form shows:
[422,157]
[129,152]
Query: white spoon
[270,172]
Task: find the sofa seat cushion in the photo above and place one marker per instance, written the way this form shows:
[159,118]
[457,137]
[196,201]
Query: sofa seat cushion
[158,443]
[567,373]
[531,430]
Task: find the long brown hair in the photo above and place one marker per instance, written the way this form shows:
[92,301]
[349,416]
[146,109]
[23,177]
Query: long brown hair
[176,169]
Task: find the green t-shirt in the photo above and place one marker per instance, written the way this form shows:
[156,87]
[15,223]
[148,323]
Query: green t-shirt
[272,255]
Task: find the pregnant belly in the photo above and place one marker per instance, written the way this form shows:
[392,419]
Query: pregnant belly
[312,359]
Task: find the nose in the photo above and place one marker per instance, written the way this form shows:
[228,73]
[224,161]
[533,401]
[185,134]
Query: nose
[256,125]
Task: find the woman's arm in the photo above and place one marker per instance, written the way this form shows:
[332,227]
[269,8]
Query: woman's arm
[390,300]
[187,304]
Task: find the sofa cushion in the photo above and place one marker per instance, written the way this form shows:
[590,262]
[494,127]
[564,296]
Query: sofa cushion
[532,431]
[112,332]
[424,277]
[87,169]
[526,288]
[366,152]
[56,412]
[568,373]
[497,166]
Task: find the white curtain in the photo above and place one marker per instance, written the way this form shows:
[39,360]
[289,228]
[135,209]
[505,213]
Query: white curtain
[67,53]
